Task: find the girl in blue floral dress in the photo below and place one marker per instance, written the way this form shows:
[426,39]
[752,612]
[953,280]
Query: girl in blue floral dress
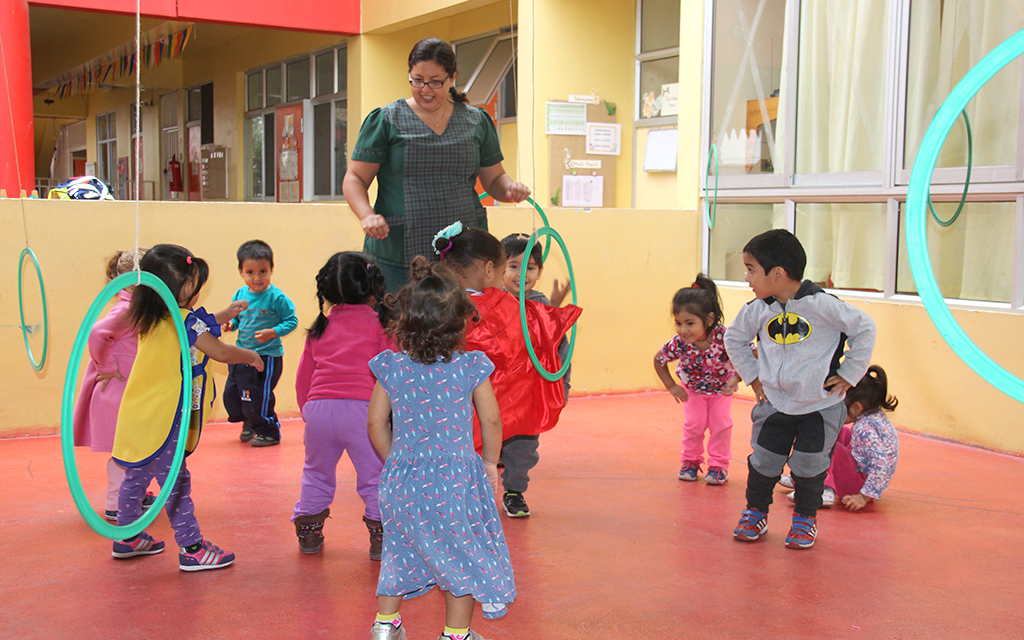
[441,523]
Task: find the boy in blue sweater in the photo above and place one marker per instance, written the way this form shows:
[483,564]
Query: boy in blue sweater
[799,377]
[268,317]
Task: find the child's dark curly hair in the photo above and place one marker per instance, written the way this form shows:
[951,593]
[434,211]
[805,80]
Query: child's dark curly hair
[433,309]
[872,392]
[349,277]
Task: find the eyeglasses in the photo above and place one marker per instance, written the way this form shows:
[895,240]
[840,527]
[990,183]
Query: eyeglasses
[433,84]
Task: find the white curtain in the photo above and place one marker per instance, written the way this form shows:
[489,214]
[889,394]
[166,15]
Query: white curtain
[973,258]
[840,129]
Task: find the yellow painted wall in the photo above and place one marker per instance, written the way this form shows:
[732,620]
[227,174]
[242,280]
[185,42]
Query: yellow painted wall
[625,288]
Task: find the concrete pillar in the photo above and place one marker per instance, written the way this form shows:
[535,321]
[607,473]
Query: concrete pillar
[17,153]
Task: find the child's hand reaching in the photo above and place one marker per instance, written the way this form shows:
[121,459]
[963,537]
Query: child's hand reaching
[558,293]
[264,335]
[856,502]
[231,312]
[679,393]
[492,475]
[256,361]
[105,378]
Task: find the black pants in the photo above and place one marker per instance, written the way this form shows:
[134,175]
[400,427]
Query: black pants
[249,396]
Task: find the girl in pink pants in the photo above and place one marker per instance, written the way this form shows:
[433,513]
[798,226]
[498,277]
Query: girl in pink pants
[708,380]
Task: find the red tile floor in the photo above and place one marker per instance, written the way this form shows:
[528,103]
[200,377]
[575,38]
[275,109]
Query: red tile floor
[617,548]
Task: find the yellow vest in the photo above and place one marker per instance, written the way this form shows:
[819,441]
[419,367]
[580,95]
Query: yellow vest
[152,398]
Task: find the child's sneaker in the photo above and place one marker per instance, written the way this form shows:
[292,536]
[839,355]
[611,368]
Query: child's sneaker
[247,434]
[264,441]
[716,475]
[688,472]
[110,516]
[802,533]
[515,505]
[142,545]
[787,481]
[386,631]
[472,635]
[148,501]
[828,497]
[752,525]
[207,556]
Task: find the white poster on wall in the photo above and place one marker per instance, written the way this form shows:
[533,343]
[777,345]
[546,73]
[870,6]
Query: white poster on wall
[583,191]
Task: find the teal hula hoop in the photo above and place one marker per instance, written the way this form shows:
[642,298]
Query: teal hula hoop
[93,519]
[543,217]
[711,211]
[544,373]
[917,203]
[967,185]
[38,366]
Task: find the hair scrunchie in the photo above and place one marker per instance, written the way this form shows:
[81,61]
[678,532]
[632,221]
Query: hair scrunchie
[447,233]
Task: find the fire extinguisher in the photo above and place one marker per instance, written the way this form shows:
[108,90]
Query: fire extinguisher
[174,168]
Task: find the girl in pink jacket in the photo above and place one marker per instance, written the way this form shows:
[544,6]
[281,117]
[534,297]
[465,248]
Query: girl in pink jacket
[333,386]
[112,346]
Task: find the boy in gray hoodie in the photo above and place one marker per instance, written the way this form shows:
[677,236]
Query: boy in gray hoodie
[797,378]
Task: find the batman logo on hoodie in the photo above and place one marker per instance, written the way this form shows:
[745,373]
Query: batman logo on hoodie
[788,328]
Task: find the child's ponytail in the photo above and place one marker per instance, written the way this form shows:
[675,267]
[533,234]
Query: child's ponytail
[872,392]
[461,248]
[700,299]
[350,277]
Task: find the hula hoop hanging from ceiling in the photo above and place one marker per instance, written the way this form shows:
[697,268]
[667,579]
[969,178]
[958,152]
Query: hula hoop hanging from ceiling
[917,202]
[38,366]
[93,519]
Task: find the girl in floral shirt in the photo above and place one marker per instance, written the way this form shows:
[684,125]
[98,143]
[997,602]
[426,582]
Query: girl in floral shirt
[865,456]
[708,379]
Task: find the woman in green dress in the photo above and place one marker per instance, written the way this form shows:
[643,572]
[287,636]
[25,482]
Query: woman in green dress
[426,153]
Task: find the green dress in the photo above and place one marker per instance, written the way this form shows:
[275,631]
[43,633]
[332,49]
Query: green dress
[426,181]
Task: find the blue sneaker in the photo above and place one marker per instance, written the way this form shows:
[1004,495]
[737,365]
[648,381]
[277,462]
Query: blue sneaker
[207,556]
[143,545]
[802,533]
[752,525]
[716,475]
[688,472]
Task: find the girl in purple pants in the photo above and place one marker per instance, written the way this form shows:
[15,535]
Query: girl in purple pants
[333,386]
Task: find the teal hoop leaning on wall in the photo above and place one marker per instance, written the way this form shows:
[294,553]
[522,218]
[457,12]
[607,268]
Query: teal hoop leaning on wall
[38,366]
[967,184]
[92,518]
[917,203]
[711,211]
[544,373]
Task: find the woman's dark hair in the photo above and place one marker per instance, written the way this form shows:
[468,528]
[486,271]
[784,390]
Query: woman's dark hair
[778,248]
[349,277]
[700,299]
[433,309]
[515,245]
[461,252]
[872,392]
[439,51]
[177,267]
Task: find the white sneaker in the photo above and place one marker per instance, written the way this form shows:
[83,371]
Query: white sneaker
[787,481]
[828,497]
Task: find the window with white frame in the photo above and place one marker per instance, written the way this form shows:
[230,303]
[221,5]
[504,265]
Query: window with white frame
[106,148]
[817,110]
[487,71]
[657,61]
[320,77]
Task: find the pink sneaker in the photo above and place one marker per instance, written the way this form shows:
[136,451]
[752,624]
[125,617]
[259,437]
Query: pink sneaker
[143,545]
[207,556]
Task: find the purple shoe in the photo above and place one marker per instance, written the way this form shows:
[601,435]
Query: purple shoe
[207,556]
[142,545]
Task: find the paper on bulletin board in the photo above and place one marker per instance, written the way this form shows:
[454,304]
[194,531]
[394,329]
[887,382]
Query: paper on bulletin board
[604,138]
[583,191]
[562,118]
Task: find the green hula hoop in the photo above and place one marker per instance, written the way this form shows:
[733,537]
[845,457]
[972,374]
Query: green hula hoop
[544,373]
[917,201]
[38,366]
[93,519]
[543,217]
[967,184]
[711,212]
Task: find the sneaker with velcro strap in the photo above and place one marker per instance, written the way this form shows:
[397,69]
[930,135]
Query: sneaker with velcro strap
[207,556]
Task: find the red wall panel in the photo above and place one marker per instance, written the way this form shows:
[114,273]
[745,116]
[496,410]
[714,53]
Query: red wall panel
[340,16]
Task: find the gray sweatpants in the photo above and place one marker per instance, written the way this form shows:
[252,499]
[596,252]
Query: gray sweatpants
[519,454]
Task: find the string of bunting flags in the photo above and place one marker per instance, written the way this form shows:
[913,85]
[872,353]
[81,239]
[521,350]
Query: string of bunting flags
[121,62]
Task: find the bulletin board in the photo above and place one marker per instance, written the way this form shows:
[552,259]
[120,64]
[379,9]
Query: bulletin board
[564,149]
